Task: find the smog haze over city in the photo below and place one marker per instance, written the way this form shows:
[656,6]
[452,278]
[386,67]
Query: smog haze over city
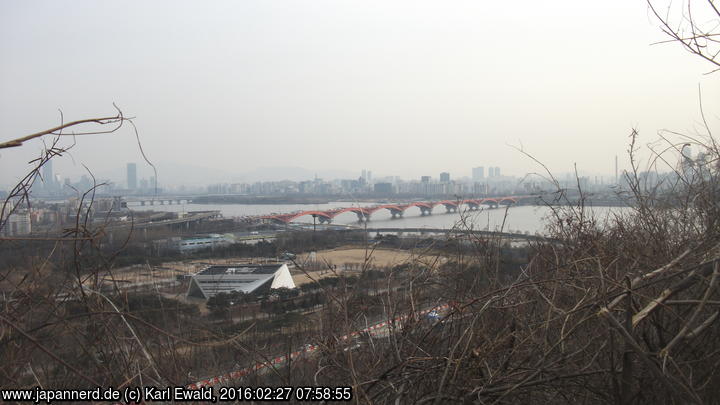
[266,90]
[373,202]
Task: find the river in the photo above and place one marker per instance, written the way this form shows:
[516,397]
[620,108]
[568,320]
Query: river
[521,219]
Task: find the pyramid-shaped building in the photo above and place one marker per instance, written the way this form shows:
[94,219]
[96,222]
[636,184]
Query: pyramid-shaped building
[241,277]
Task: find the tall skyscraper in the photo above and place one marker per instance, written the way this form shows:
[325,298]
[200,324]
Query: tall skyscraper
[491,171]
[478,173]
[131,176]
[47,172]
[497,171]
[444,177]
[48,178]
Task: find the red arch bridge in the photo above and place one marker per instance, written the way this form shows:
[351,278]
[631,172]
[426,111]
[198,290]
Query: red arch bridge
[398,209]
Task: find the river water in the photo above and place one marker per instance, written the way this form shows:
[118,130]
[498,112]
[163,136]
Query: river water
[521,219]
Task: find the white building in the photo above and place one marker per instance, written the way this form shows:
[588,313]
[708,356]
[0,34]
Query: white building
[203,242]
[241,277]
[17,224]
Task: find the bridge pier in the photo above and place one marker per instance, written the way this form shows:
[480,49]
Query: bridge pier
[396,209]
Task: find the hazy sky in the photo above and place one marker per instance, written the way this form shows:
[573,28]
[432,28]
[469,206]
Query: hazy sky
[398,87]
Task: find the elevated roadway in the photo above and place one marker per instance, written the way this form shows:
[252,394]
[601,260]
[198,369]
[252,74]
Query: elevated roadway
[488,234]
[196,216]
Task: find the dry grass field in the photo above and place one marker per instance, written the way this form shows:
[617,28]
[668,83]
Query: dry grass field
[341,259]
[378,257]
[350,259]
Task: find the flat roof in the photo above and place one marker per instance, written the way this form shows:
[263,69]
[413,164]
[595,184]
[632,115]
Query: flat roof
[213,236]
[241,269]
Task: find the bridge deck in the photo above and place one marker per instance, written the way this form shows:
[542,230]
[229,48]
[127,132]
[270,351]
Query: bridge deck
[396,208]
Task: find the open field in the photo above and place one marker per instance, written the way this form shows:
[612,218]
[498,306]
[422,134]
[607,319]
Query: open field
[350,259]
[376,257]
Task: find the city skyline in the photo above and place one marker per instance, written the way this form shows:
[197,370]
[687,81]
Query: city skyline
[132,182]
[177,175]
[444,183]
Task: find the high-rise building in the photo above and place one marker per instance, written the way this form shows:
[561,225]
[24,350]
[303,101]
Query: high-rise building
[383,188]
[425,179]
[491,171]
[478,173]
[17,224]
[48,177]
[131,176]
[497,171]
[444,177]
